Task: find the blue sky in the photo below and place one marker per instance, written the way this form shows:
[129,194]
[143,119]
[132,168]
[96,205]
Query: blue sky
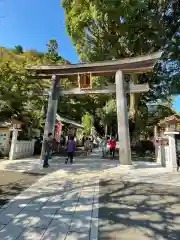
[176,104]
[32,23]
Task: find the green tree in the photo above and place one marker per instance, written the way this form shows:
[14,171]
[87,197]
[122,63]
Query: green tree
[21,94]
[18,92]
[87,123]
[108,116]
[171,40]
[18,49]
[156,113]
[52,54]
[104,30]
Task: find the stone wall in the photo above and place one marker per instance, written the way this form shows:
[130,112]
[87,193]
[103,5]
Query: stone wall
[23,149]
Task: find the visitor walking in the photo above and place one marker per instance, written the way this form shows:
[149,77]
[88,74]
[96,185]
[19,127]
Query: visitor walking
[48,148]
[91,140]
[62,140]
[83,139]
[112,147]
[71,146]
[103,147]
[87,146]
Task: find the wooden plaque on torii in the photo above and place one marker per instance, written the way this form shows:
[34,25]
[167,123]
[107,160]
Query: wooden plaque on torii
[85,81]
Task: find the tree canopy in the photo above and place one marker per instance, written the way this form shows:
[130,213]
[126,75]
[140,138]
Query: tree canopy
[20,94]
[102,30]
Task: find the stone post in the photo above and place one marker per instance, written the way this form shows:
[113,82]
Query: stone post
[160,155]
[172,151]
[122,119]
[163,155]
[51,111]
[156,145]
[13,143]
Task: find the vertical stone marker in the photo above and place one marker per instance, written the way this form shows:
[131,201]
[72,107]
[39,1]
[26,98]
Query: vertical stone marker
[122,119]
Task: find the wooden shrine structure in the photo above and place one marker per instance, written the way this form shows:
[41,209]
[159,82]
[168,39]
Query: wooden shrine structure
[83,74]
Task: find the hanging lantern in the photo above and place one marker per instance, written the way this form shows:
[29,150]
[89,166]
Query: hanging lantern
[85,81]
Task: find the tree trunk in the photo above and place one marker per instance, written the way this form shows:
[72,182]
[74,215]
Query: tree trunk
[133,110]
[106,130]
[111,132]
[137,125]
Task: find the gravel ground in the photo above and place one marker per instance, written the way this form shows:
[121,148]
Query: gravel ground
[138,211]
[12,183]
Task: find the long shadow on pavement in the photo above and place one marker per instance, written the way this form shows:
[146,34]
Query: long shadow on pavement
[135,211]
[49,214]
[13,183]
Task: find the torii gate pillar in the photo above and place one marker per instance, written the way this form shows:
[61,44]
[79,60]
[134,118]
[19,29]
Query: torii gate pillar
[51,111]
[122,119]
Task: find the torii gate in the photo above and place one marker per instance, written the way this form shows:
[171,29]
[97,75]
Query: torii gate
[132,66]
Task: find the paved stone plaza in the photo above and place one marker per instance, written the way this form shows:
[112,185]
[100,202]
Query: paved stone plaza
[13,183]
[137,210]
[61,205]
[93,199]
[52,210]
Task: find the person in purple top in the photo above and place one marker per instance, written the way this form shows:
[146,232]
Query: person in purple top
[71,146]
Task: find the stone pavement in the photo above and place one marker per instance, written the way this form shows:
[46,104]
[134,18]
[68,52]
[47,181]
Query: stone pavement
[13,183]
[61,205]
[65,203]
[52,210]
[137,210]
[83,165]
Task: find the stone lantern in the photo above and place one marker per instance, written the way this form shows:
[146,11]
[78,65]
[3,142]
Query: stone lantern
[16,127]
[168,143]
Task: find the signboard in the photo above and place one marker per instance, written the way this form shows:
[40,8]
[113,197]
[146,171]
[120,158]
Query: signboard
[85,81]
